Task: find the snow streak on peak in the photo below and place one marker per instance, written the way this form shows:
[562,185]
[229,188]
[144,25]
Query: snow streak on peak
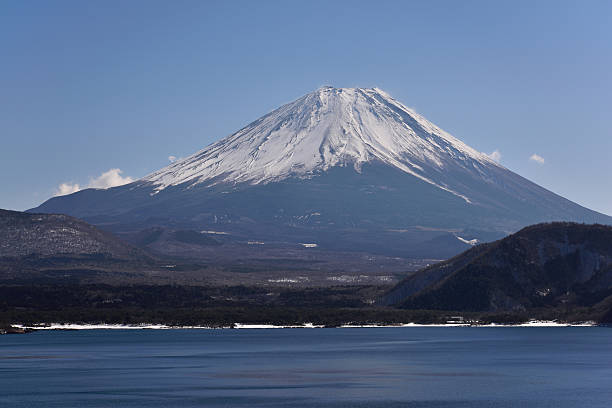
[326,128]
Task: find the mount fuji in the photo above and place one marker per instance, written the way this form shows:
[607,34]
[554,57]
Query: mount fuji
[342,169]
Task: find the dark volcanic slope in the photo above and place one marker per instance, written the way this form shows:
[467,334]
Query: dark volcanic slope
[380,210]
[546,265]
[23,234]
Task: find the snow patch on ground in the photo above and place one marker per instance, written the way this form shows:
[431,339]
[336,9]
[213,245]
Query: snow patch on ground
[309,245]
[144,326]
[467,241]
[214,232]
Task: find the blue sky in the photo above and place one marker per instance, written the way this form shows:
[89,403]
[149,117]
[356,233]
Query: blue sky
[87,87]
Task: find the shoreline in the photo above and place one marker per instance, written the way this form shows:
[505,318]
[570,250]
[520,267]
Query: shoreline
[241,326]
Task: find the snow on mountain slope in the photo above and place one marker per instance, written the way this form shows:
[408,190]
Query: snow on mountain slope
[326,128]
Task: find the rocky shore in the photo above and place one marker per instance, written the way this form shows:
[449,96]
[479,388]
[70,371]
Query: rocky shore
[15,330]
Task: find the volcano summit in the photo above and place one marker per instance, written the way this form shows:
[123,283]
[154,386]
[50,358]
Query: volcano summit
[347,169]
[327,128]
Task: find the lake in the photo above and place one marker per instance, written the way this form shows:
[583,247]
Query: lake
[553,367]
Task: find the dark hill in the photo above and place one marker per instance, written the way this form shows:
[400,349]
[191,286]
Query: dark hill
[558,265]
[26,234]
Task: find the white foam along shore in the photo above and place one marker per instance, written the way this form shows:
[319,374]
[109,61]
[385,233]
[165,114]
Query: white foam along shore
[72,326]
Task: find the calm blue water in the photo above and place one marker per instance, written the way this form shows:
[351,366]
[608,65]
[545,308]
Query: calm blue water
[382,367]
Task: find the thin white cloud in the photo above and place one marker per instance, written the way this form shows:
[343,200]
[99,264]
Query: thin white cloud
[495,156]
[108,179]
[67,188]
[537,158]
[172,159]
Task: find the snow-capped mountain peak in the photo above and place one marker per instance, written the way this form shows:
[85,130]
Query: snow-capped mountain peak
[323,129]
[345,169]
